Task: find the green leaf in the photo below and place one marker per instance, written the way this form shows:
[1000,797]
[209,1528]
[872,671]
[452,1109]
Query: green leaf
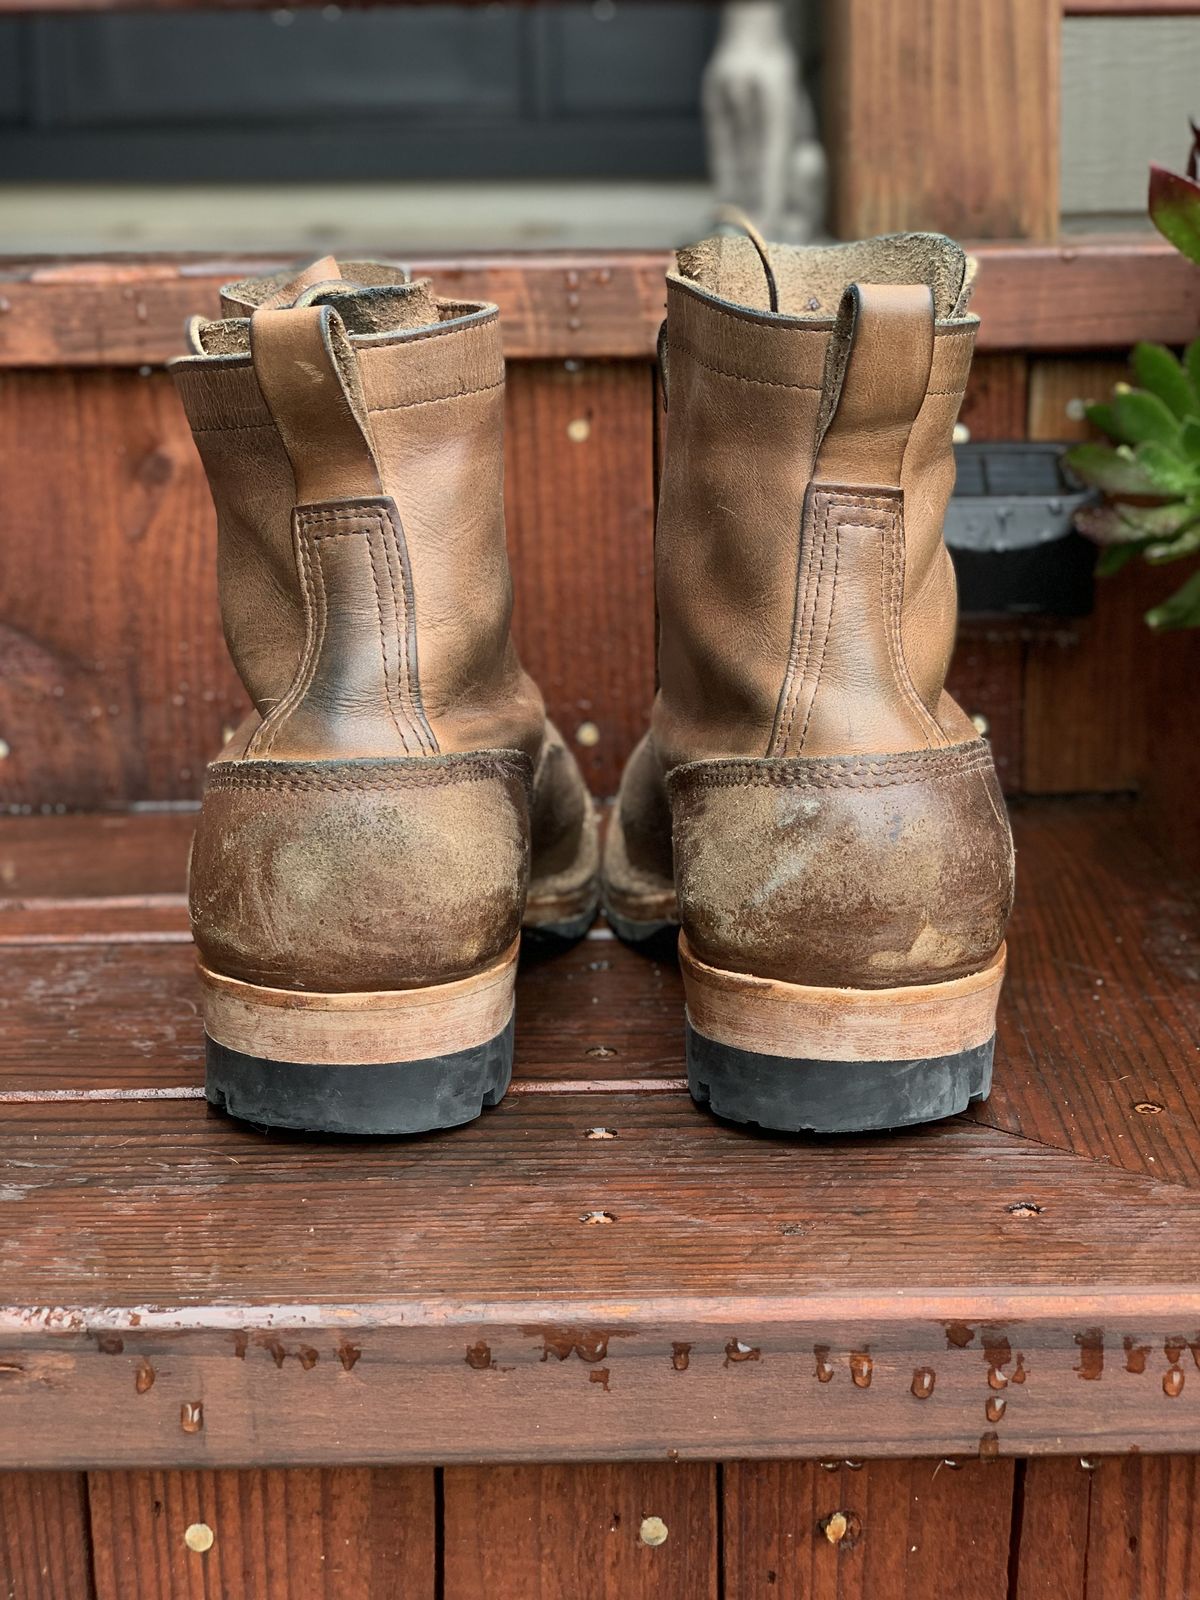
[1159,552]
[1167,471]
[1143,419]
[1175,210]
[1182,610]
[1191,363]
[1104,418]
[1189,439]
[1116,556]
[1114,471]
[1157,370]
[1158,522]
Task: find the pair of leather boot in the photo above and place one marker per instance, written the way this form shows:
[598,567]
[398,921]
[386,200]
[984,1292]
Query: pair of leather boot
[809,806]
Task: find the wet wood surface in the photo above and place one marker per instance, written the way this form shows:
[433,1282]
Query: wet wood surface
[479,1280]
[309,1534]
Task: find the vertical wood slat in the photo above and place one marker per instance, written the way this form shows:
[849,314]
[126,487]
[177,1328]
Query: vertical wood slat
[574,1533]
[944,116]
[1084,686]
[1050,1539]
[915,1530]
[580,511]
[44,1541]
[1128,1529]
[300,1534]
[114,680]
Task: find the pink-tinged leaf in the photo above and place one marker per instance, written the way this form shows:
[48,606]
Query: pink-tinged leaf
[1175,210]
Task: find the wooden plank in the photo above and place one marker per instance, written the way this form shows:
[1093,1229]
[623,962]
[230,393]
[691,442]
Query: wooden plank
[1096,953]
[1080,293]
[996,401]
[130,312]
[114,680]
[913,1530]
[96,1016]
[1084,691]
[44,1547]
[580,510]
[1050,1536]
[1142,1530]
[919,137]
[447,1299]
[115,686]
[559,1533]
[987,678]
[348,1534]
[1100,925]
[1060,387]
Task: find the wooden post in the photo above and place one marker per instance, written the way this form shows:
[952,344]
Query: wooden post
[945,116]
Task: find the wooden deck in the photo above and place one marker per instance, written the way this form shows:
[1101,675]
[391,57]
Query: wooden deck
[596,1269]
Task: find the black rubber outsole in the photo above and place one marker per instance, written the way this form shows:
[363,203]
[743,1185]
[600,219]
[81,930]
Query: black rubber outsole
[655,939]
[792,1096]
[381,1099]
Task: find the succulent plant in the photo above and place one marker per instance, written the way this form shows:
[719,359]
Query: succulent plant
[1150,472]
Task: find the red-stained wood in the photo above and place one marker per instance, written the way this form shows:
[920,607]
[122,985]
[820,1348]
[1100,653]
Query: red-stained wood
[549,1533]
[449,1298]
[1099,1013]
[1085,293]
[1050,1529]
[115,684]
[987,678]
[913,1530]
[917,139]
[305,1534]
[579,494]
[1143,1529]
[44,1544]
[996,401]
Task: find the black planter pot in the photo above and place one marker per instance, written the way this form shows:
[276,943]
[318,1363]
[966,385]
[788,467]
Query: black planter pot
[1010,531]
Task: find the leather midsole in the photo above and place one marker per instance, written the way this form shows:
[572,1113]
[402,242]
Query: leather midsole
[360,1029]
[807,1023]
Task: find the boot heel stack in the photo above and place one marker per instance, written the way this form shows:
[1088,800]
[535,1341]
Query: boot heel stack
[381,1062]
[801,1058]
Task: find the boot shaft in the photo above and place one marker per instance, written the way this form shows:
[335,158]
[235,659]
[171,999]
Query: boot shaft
[806,598]
[352,434]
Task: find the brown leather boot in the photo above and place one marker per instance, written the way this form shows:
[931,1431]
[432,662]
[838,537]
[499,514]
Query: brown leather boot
[397,807]
[842,863]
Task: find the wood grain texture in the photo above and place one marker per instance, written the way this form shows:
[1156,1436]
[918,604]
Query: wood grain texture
[457,1293]
[921,136]
[915,1530]
[996,402]
[1088,703]
[580,511]
[1050,1530]
[1143,1540]
[115,685]
[549,1533]
[987,678]
[1098,1014]
[44,1541]
[286,1535]
[1082,293]
[114,680]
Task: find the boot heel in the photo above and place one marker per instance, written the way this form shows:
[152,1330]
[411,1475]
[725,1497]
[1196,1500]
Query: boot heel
[792,1057]
[389,1062]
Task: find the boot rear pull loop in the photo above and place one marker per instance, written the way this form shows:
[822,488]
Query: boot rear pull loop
[876,379]
[308,377]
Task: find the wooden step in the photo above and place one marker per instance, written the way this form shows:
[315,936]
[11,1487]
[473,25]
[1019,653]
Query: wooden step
[597,1269]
